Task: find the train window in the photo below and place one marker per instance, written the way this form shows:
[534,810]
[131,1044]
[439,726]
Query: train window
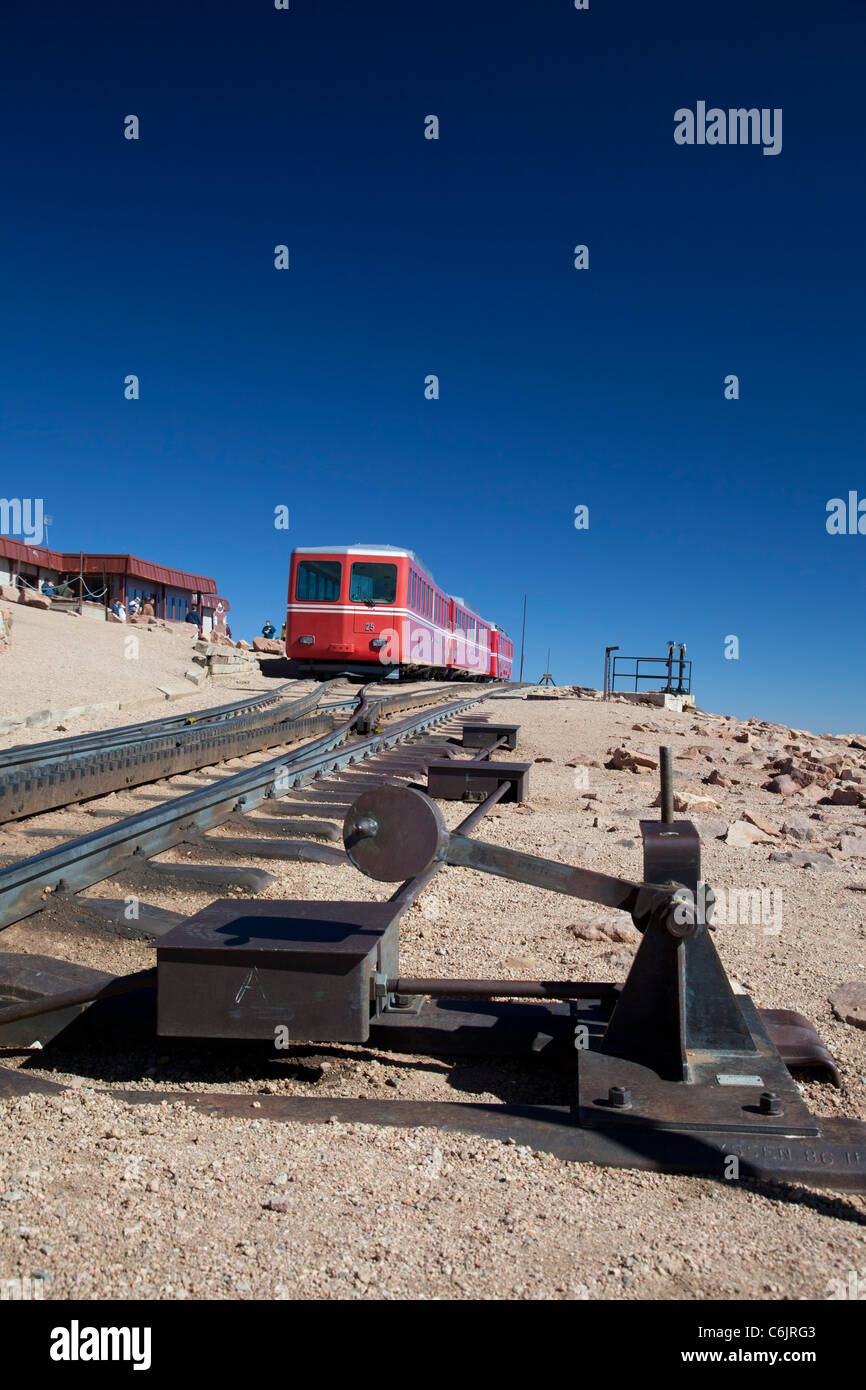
[373,583]
[319,580]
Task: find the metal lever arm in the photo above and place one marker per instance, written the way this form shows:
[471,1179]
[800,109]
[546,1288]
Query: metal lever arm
[395,833]
[640,899]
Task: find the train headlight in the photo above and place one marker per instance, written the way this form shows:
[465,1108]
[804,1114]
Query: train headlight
[306,641]
[378,642]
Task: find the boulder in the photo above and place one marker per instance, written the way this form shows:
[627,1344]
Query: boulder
[219,639]
[624,760]
[243,646]
[715,779]
[783,785]
[690,800]
[710,828]
[9,593]
[267,646]
[761,824]
[743,833]
[848,1002]
[799,828]
[804,859]
[34,600]
[853,845]
[848,795]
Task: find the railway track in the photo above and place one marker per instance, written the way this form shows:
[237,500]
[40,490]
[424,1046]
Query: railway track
[45,776]
[336,746]
[354,784]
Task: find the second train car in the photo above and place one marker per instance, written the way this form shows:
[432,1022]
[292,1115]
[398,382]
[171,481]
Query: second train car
[368,609]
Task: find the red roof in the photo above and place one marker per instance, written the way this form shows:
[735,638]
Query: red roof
[112,564]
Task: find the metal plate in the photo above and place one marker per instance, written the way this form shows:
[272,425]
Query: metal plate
[476,779]
[402,833]
[481,735]
[243,969]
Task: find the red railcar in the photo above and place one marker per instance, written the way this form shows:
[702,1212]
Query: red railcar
[368,608]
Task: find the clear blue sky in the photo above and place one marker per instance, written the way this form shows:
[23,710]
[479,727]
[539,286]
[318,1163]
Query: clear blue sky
[410,256]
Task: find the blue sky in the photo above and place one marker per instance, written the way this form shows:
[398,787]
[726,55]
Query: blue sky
[408,256]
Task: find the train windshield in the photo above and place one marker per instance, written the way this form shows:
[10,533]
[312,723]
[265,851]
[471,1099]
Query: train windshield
[372,583]
[319,580]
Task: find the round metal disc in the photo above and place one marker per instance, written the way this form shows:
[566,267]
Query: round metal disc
[394,832]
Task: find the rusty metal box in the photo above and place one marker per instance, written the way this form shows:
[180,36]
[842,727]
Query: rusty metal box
[242,969]
[450,780]
[481,735]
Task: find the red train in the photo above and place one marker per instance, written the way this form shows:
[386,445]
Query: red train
[365,609]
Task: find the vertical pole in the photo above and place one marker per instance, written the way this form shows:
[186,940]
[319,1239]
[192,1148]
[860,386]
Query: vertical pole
[522,637]
[666,772]
[680,690]
[105,596]
[81,581]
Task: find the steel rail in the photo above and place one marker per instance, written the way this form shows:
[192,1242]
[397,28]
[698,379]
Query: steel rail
[119,763]
[182,724]
[88,859]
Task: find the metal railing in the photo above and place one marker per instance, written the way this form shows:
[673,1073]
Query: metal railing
[669,675]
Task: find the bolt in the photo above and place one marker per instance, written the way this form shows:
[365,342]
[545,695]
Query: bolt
[619,1097]
[770,1103]
[402,1001]
[366,826]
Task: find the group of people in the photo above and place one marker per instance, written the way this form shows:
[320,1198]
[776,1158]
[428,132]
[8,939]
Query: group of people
[136,607]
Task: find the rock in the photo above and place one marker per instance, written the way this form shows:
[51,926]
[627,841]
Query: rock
[711,829]
[243,646]
[617,960]
[33,600]
[219,639]
[583,762]
[813,793]
[624,760]
[277,1204]
[602,930]
[742,834]
[799,828]
[847,796]
[853,846]
[8,593]
[715,779]
[691,800]
[267,646]
[761,824]
[848,1002]
[783,785]
[805,859]
[857,741]
[113,618]
[543,760]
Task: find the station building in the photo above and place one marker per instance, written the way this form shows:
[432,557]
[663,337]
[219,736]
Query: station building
[103,578]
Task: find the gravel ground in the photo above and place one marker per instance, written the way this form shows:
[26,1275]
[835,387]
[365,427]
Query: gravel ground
[109,1200]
